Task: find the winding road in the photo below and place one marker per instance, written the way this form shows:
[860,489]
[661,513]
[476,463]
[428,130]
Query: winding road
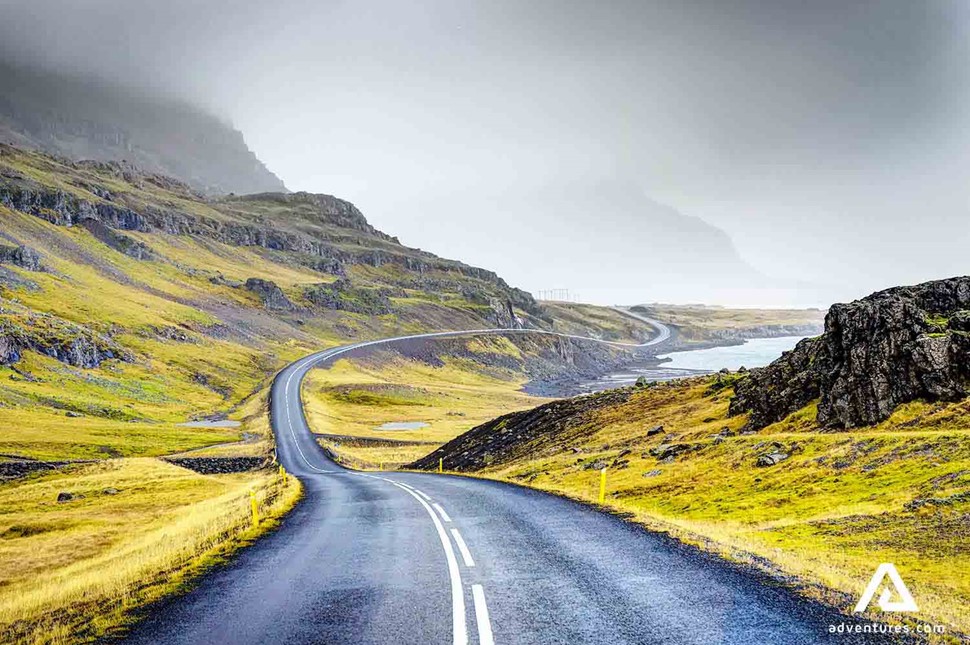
[411,558]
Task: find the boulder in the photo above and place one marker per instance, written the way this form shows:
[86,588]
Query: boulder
[876,353]
[343,295]
[269,292]
[655,430]
[771,459]
[64,496]
[672,450]
[502,314]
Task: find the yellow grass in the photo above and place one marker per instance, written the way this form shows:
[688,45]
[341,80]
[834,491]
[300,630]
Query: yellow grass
[598,322]
[698,322]
[827,516]
[71,571]
[356,397]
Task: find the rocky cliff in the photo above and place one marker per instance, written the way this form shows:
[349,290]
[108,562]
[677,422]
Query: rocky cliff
[321,232]
[875,354]
[86,119]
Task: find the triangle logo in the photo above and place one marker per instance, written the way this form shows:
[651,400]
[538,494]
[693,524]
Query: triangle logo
[905,600]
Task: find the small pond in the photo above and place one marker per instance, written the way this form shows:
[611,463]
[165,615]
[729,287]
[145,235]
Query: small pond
[403,425]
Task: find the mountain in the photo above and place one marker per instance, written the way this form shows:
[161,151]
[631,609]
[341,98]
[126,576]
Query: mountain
[602,238]
[90,119]
[126,296]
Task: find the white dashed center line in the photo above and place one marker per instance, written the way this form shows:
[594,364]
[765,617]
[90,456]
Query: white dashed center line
[481,615]
[463,549]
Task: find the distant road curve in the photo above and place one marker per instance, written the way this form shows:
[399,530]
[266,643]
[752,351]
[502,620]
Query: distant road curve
[407,557]
[663,330]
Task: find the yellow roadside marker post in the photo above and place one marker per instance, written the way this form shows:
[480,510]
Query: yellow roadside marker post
[603,485]
[252,504]
[441,463]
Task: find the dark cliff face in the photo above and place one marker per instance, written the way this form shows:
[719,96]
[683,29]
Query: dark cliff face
[876,353]
[85,119]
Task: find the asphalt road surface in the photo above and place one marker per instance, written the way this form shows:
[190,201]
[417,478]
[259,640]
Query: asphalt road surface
[417,558]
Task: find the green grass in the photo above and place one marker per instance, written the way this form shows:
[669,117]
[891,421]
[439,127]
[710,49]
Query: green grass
[194,348]
[838,506]
[194,345]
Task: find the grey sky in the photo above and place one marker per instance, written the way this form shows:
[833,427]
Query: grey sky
[827,138]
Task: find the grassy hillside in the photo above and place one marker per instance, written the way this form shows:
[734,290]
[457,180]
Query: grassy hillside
[817,508]
[166,325]
[136,530]
[130,305]
[596,322]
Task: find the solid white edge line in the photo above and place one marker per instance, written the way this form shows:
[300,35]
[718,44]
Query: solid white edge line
[481,616]
[444,515]
[463,548]
[460,628]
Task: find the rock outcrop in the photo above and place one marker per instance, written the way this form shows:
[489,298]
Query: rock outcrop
[773,392]
[876,353]
[59,339]
[502,314]
[118,241]
[269,292]
[20,256]
[342,295]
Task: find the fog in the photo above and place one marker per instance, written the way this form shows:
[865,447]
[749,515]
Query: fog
[554,141]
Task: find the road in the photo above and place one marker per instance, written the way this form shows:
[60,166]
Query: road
[664,333]
[425,558]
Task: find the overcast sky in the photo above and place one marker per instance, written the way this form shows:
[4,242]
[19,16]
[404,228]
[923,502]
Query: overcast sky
[828,139]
